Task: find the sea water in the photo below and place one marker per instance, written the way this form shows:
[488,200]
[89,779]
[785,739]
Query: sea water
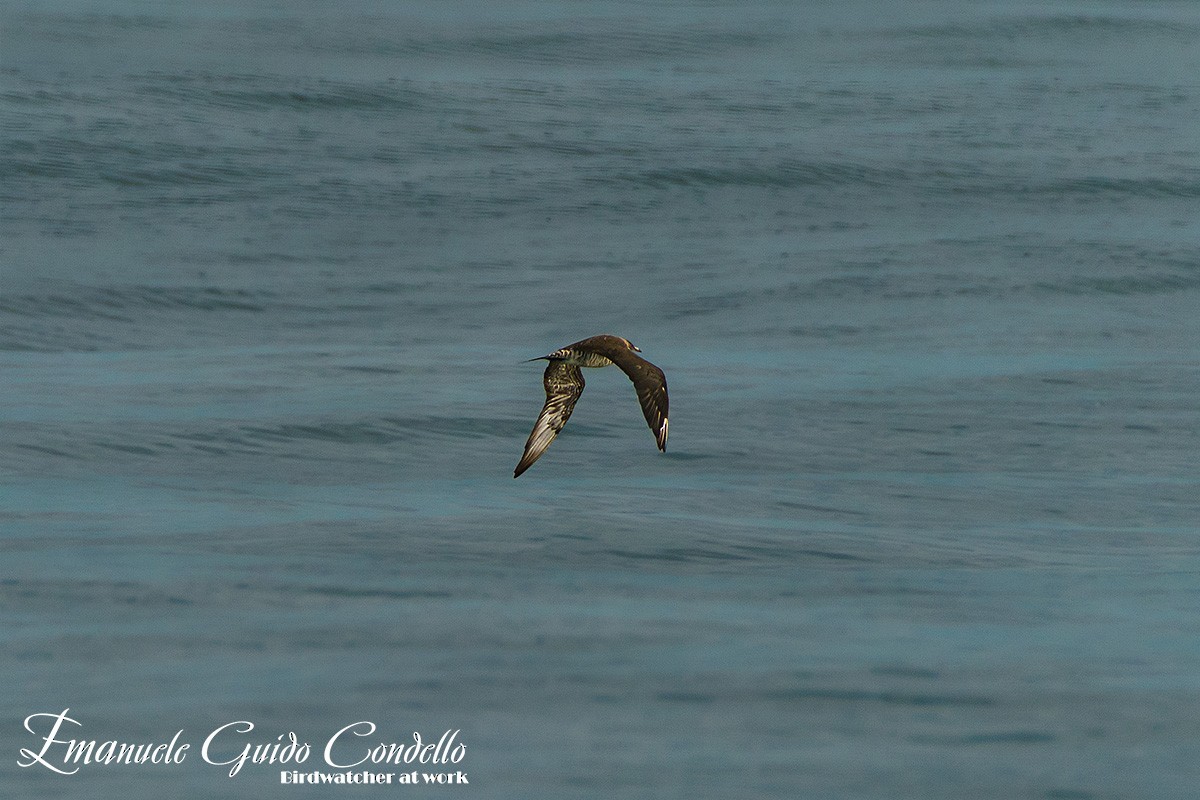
[924,279]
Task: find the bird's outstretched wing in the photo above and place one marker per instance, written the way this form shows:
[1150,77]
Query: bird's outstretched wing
[651,386]
[564,384]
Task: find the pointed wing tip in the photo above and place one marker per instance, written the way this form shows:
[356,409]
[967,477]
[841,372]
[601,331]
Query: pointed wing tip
[524,464]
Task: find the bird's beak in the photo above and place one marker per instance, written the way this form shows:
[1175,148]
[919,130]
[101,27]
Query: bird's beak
[539,358]
[636,349]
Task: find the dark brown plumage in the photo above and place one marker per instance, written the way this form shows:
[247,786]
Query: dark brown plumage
[564,384]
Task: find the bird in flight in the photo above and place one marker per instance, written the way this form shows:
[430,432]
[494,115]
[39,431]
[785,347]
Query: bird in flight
[564,383]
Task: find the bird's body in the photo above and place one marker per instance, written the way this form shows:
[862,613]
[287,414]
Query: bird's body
[564,384]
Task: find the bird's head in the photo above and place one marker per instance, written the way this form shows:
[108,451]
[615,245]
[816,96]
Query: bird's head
[632,346]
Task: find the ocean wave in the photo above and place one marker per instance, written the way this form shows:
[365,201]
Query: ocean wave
[265,92]
[1084,268]
[932,178]
[604,44]
[1123,284]
[87,319]
[542,42]
[80,161]
[317,439]
[136,317]
[1051,25]
[115,303]
[783,174]
[1184,185]
[67,594]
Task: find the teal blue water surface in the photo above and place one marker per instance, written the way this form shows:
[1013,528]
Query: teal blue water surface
[924,279]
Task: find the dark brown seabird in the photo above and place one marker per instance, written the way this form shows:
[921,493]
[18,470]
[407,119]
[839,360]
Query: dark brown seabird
[564,383]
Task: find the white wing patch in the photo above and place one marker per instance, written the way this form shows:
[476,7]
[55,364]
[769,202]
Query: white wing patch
[564,383]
